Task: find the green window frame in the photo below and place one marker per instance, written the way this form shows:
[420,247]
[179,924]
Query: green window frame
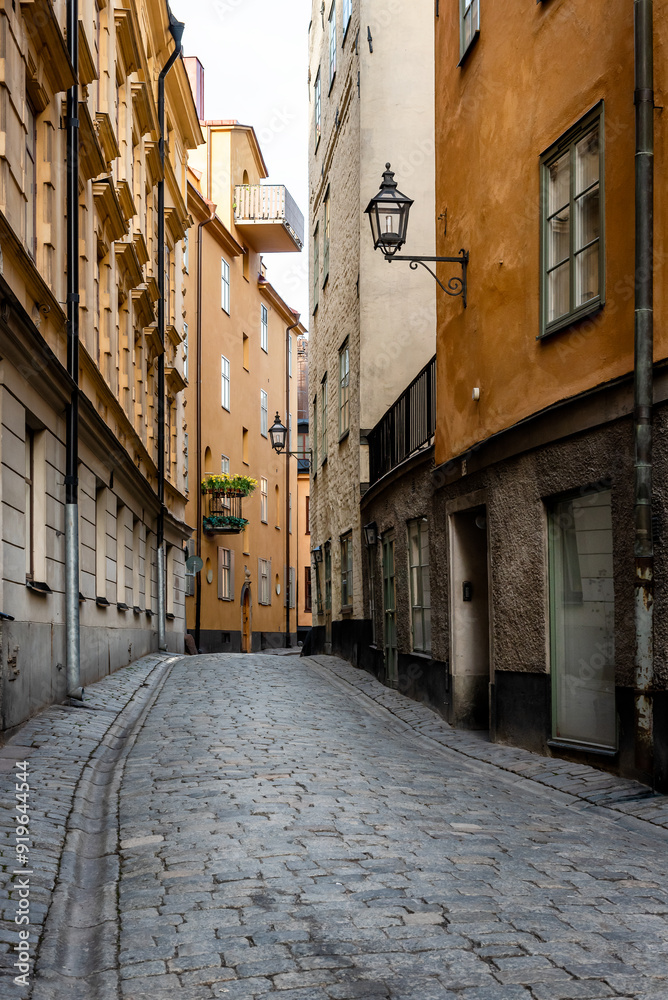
[316,267]
[418,564]
[323,416]
[572,238]
[314,467]
[325,254]
[469,26]
[347,570]
[328,576]
[344,390]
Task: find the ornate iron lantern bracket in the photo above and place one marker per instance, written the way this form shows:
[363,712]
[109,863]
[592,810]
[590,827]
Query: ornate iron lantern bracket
[456,285]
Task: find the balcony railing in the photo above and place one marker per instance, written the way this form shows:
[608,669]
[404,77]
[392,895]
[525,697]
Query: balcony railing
[268,217]
[223,514]
[407,427]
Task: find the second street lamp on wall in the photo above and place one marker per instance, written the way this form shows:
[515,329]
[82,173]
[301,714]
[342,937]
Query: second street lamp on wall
[278,433]
[388,214]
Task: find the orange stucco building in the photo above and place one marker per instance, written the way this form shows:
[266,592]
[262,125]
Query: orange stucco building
[239,368]
[513,604]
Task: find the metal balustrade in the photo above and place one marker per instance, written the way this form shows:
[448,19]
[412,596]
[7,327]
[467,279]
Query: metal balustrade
[407,427]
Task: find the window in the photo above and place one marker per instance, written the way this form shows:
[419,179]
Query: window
[469,25]
[246,352]
[225,465]
[264,577]
[344,382]
[35,505]
[264,501]
[582,620]
[101,544]
[225,285]
[316,267]
[347,12]
[185,351]
[315,433]
[185,253]
[347,570]
[572,225]
[325,256]
[323,415]
[289,355]
[225,574]
[277,509]
[264,413]
[307,518]
[31,182]
[332,44]
[244,445]
[293,586]
[225,381]
[190,574]
[290,513]
[264,328]
[307,588]
[317,101]
[328,576]
[418,561]
[168,286]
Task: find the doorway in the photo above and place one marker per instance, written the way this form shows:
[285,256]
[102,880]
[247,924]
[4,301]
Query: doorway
[246,620]
[469,605]
[390,611]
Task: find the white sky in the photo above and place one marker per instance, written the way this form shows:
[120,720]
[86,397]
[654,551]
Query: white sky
[255,58]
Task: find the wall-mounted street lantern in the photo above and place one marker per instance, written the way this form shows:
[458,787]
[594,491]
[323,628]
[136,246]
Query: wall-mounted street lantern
[278,433]
[371,533]
[317,553]
[388,214]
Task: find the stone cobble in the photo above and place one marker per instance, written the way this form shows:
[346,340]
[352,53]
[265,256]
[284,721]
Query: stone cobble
[586,783]
[286,833]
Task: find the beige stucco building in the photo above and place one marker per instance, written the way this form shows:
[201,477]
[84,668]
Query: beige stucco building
[242,362]
[366,343]
[121,52]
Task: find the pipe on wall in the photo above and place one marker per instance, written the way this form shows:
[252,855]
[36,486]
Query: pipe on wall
[72,630]
[176,30]
[644,359]
[288,442]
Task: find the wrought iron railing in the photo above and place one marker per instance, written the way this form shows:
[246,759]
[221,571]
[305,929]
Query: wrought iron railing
[223,513]
[269,203]
[407,426]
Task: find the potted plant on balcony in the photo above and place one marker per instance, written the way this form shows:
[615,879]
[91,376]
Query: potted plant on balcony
[223,522]
[231,486]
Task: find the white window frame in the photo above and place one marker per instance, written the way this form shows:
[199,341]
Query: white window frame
[225,285]
[225,566]
[185,253]
[469,25]
[225,382]
[185,351]
[347,14]
[264,413]
[420,596]
[264,328]
[332,44]
[264,581]
[264,500]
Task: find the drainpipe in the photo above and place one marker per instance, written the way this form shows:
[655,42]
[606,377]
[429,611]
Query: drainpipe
[288,642]
[72,638]
[198,362]
[176,31]
[644,357]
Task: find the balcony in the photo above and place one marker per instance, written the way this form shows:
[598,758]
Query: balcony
[223,514]
[407,427]
[267,217]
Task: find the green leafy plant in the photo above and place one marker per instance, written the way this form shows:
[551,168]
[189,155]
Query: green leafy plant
[232,485]
[224,521]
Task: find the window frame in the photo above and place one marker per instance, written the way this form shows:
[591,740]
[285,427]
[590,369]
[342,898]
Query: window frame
[347,9]
[464,7]
[264,413]
[224,286]
[315,435]
[31,195]
[225,568]
[264,500]
[417,605]
[327,208]
[317,102]
[264,328]
[567,142]
[308,599]
[344,391]
[316,267]
[185,351]
[225,382]
[324,444]
[346,552]
[264,582]
[331,20]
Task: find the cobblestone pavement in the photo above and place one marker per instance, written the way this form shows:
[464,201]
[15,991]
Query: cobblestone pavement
[290,827]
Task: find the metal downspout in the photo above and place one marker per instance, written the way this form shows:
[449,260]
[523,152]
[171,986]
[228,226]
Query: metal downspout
[176,30]
[72,636]
[288,442]
[644,319]
[198,362]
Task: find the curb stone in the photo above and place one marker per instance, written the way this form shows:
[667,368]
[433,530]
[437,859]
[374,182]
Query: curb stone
[71,754]
[597,788]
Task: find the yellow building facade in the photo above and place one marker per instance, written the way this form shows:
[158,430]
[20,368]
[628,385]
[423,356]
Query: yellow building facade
[242,370]
[121,52]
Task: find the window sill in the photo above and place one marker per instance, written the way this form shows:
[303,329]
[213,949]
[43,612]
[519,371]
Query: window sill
[331,84]
[122,606]
[345,435]
[557,744]
[38,588]
[323,463]
[265,349]
[170,617]
[345,32]
[102,602]
[325,281]
[567,322]
[471,44]
[315,309]
[419,654]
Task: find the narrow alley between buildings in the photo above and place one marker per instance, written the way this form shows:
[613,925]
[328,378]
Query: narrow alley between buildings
[243,826]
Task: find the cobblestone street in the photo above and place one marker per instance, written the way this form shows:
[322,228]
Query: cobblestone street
[285,832]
